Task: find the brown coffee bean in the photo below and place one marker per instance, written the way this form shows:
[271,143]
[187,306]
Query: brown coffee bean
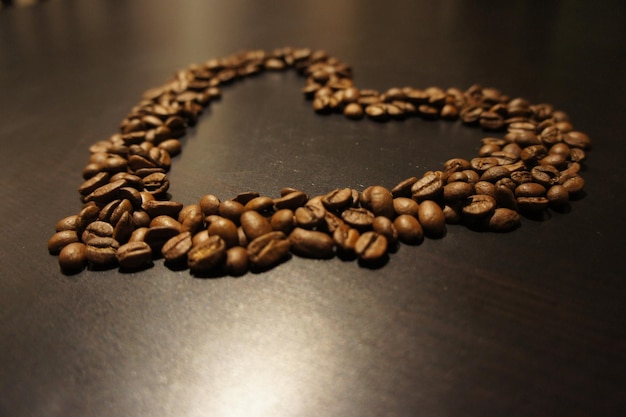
[157,236]
[236,261]
[61,239]
[138,234]
[67,223]
[384,226]
[101,252]
[93,183]
[358,218]
[453,212]
[504,220]
[530,189]
[283,221]
[378,200]
[311,244]
[231,209]
[254,224]
[403,188]
[291,200]
[176,248]
[409,230]
[141,218]
[191,218]
[532,205]
[310,215]
[430,186]
[457,190]
[545,175]
[156,183]
[404,205]
[353,111]
[210,205]
[483,164]
[431,218]
[134,255]
[156,208]
[166,221]
[268,250]
[345,238]
[557,195]
[73,257]
[493,174]
[224,228]
[260,204]
[479,205]
[371,246]
[96,229]
[207,256]
[574,184]
[338,199]
[577,140]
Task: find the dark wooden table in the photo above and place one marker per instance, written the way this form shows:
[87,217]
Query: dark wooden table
[527,323]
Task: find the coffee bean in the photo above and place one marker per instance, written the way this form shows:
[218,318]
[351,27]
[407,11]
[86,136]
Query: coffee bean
[557,195]
[268,250]
[574,184]
[166,221]
[156,208]
[431,218]
[404,205]
[254,224]
[96,229]
[61,239]
[378,200]
[345,238]
[231,209]
[371,246]
[530,189]
[409,230]
[134,255]
[101,252]
[283,221]
[358,218]
[504,220]
[479,205]
[291,200]
[67,223]
[157,236]
[353,111]
[311,244]
[430,186]
[73,257]
[384,226]
[532,205]
[207,256]
[176,248]
[457,190]
[224,228]
[309,216]
[236,263]
[403,188]
[545,175]
[338,199]
[191,218]
[577,140]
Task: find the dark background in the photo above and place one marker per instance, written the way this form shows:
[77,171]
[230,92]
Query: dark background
[476,324]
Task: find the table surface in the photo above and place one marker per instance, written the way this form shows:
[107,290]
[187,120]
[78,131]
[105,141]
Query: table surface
[475,324]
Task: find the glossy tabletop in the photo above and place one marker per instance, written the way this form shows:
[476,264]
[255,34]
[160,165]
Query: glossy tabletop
[526,323]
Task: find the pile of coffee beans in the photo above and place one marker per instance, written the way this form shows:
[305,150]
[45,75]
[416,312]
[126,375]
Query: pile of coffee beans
[128,220]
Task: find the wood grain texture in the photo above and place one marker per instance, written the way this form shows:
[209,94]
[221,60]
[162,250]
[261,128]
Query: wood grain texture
[477,324]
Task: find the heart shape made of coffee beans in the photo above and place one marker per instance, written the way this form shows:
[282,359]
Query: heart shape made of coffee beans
[127,219]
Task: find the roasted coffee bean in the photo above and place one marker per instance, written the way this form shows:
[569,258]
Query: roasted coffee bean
[545,175]
[453,212]
[93,183]
[479,205]
[156,208]
[404,205]
[311,243]
[176,248]
[291,200]
[245,197]
[254,224]
[358,218]
[523,138]
[138,234]
[96,229]
[577,155]
[556,160]
[371,246]
[134,255]
[377,112]
[236,263]
[166,221]
[199,237]
[124,228]
[557,195]
[140,218]
[504,220]
[67,223]
[483,164]
[101,252]
[531,155]
[430,186]
[260,204]
[378,200]
[431,217]
[455,165]
[224,228]
[521,177]
[493,174]
[73,257]
[231,209]
[106,193]
[61,239]
[574,184]
[210,205]
[353,111]
[191,218]
[577,140]
[457,190]
[338,199]
[505,197]
[156,183]
[346,237]
[283,221]
[409,230]
[403,188]
[268,250]
[207,256]
[309,216]
[172,146]
[530,189]
[532,205]
[157,236]
[384,226]
[485,187]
